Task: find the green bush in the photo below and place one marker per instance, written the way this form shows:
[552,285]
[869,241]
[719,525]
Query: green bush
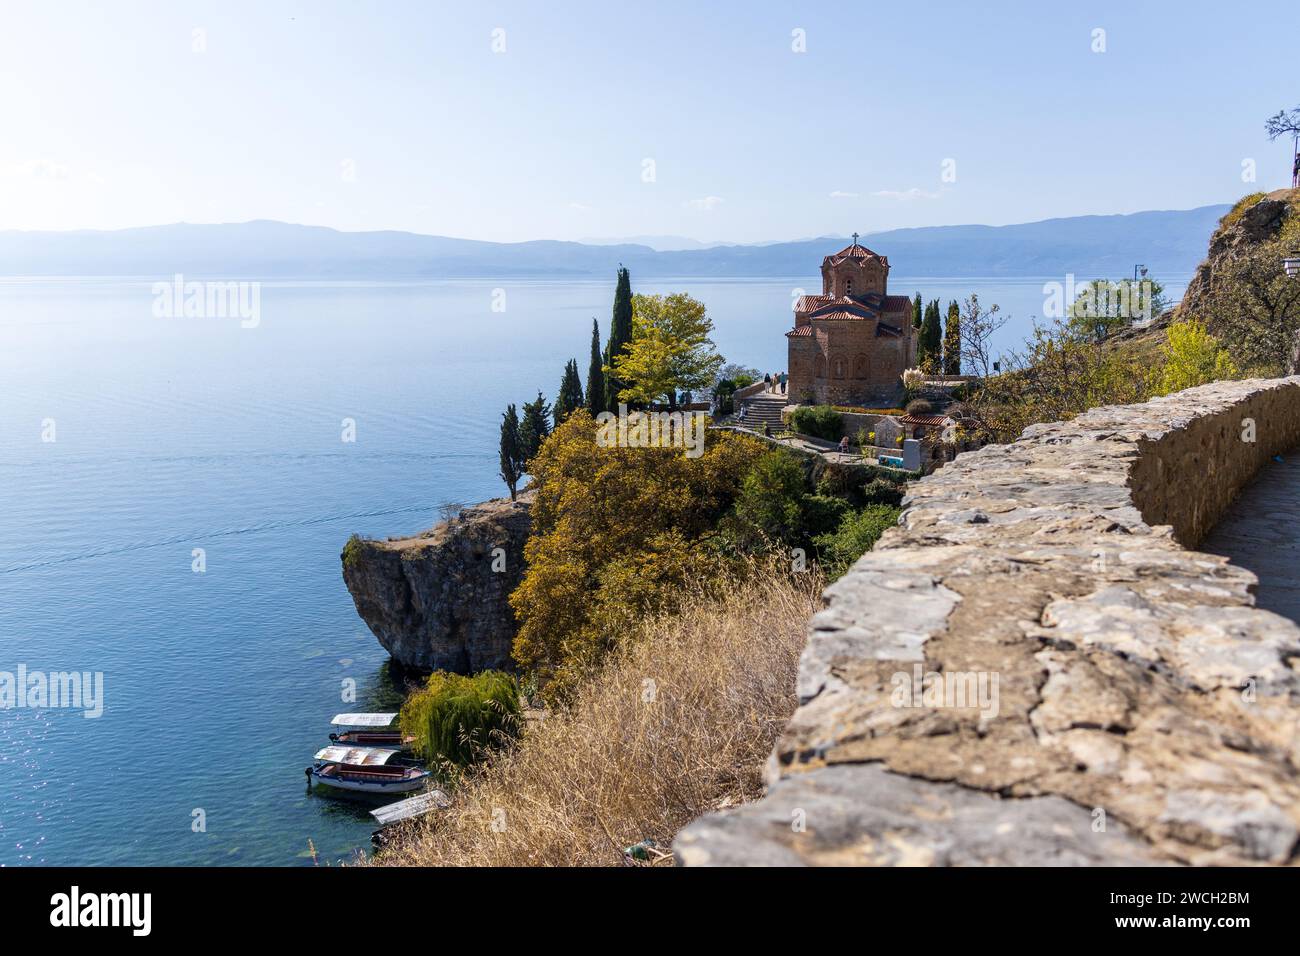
[456,719]
[882,491]
[352,551]
[854,537]
[822,514]
[820,421]
[769,508]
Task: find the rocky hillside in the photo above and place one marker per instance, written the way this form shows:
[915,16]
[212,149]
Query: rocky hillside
[1255,220]
[440,600]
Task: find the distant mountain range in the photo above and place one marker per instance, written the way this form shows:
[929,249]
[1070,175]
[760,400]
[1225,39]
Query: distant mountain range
[1167,242]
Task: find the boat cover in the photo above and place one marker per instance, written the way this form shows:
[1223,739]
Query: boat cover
[356,756]
[362,720]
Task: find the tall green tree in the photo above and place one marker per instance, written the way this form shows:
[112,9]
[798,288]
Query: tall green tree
[916,311]
[930,355]
[952,340]
[670,352]
[534,426]
[512,453]
[595,374]
[620,336]
[570,398]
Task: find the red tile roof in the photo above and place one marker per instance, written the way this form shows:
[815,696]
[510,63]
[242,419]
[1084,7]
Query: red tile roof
[807,303]
[897,303]
[939,421]
[801,330]
[854,251]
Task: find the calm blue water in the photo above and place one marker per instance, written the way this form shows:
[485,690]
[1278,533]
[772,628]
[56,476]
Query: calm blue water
[176,434]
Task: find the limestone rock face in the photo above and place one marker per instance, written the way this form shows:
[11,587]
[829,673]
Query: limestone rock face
[1102,694]
[434,601]
[1259,223]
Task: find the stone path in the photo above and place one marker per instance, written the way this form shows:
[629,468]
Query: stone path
[1261,532]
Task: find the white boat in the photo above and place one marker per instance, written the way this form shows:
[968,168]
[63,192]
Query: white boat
[370,730]
[366,770]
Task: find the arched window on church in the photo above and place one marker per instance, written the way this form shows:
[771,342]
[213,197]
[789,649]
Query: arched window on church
[848,286]
[819,367]
[839,368]
[860,366]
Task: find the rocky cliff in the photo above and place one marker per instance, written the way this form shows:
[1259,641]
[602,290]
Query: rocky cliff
[440,600]
[1254,222]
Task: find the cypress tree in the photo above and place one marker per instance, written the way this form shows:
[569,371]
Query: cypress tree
[534,427]
[595,374]
[570,398]
[952,341]
[931,355]
[620,334]
[512,456]
[916,311]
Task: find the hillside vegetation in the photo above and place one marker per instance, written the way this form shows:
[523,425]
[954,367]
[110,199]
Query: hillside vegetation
[677,722]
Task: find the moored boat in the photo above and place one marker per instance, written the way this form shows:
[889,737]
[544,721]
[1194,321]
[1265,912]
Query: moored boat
[370,730]
[366,770]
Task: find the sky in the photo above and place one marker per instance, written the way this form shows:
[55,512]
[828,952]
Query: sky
[730,121]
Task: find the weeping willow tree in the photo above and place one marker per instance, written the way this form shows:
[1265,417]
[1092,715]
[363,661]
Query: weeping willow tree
[457,720]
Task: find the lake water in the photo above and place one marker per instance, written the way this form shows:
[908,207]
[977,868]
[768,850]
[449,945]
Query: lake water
[172,435]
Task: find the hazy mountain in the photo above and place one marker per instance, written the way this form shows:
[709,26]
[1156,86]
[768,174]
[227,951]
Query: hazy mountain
[657,243]
[1088,246]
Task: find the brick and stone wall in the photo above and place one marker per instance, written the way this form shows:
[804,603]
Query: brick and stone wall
[1138,709]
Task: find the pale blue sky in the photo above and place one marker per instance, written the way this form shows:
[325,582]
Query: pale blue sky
[111,119]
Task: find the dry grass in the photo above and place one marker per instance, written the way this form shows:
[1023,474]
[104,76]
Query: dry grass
[676,724]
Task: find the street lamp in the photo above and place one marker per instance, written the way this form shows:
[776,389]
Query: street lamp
[1135,272]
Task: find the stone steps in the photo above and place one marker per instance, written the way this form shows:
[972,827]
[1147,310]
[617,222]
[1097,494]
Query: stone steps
[762,410]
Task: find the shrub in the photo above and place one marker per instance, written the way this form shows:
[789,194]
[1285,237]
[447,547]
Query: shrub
[769,509]
[920,406]
[820,421]
[840,480]
[1193,357]
[1239,208]
[854,537]
[823,514]
[352,551]
[630,761]
[456,720]
[882,491]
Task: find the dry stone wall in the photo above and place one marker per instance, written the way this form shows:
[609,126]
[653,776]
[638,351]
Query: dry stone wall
[1034,667]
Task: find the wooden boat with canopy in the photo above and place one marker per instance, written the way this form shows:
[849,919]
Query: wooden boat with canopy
[370,730]
[366,770]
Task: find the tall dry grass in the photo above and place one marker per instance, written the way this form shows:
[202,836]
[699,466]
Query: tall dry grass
[676,723]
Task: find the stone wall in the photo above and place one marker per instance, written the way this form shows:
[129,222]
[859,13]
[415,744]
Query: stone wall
[1125,702]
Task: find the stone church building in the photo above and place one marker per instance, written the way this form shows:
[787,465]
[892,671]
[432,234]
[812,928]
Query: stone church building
[850,345]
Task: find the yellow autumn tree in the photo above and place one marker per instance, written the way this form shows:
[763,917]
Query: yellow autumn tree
[618,533]
[1193,357]
[670,351]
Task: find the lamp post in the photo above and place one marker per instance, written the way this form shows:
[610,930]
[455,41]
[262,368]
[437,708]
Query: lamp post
[1136,267]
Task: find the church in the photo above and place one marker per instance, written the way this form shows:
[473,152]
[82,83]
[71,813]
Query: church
[850,345]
